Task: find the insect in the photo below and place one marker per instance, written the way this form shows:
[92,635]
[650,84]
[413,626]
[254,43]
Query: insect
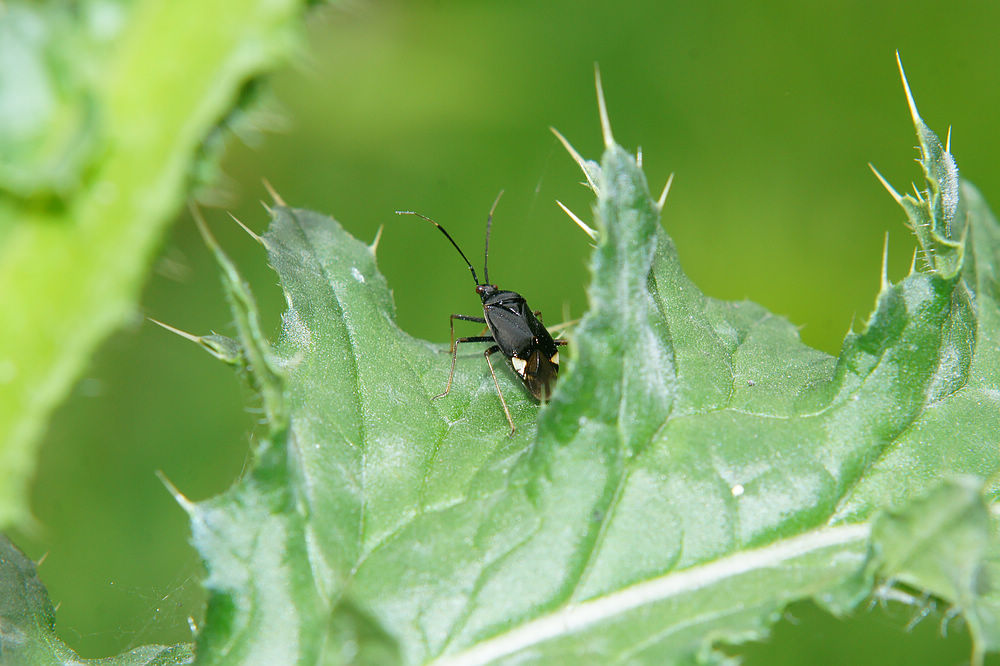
[515,330]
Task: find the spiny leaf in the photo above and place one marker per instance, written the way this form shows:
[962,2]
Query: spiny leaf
[698,468]
[934,213]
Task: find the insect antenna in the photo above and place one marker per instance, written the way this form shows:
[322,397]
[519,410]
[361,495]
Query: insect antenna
[489,223]
[448,236]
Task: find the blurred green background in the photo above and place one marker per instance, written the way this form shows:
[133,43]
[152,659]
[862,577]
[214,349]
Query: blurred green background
[766,112]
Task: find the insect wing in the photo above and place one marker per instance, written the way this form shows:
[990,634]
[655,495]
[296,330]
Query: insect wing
[525,342]
[538,372]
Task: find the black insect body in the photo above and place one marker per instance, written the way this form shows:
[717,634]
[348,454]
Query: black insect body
[522,338]
[516,331]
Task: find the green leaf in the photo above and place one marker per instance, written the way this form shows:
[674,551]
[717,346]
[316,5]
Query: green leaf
[698,468]
[104,112]
[27,623]
[944,543]
[934,213]
[49,131]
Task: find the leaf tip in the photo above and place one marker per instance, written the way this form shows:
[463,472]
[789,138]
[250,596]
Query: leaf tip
[273,193]
[587,229]
[885,184]
[373,248]
[663,195]
[909,95]
[184,334]
[226,350]
[247,229]
[577,157]
[189,507]
[602,107]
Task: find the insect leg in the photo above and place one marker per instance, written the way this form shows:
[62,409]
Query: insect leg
[453,347]
[492,350]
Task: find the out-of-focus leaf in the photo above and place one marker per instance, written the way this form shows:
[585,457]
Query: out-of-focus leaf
[49,130]
[27,623]
[945,544]
[95,157]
